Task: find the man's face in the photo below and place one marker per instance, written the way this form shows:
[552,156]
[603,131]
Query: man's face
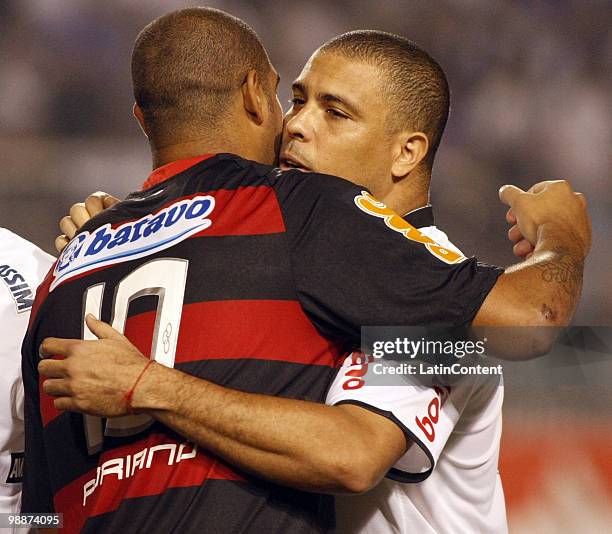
[336,124]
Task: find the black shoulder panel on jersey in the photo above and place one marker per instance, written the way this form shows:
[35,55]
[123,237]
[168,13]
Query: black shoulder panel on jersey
[354,266]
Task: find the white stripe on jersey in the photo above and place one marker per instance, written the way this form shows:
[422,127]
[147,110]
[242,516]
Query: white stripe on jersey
[463,493]
[22,268]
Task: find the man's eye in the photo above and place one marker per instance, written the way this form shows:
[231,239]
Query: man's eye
[336,114]
[296,101]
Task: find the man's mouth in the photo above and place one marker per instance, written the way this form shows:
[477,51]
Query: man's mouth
[287,162]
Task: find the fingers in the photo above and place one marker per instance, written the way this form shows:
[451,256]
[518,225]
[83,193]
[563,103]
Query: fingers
[110,201]
[99,201]
[101,329]
[52,346]
[94,204]
[68,227]
[514,234]
[60,243]
[510,217]
[52,368]
[65,404]
[523,249]
[509,193]
[57,387]
[79,214]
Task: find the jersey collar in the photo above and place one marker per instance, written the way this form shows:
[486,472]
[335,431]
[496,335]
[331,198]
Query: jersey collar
[421,217]
[172,169]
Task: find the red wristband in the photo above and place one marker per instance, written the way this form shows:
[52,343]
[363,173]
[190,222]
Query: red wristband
[128,396]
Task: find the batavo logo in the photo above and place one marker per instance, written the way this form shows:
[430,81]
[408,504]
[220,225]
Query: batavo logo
[134,239]
[366,202]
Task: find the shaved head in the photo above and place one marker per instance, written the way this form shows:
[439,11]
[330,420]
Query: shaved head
[186,67]
[414,84]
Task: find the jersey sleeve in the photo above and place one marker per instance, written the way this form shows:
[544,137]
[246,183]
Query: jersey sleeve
[356,263]
[427,415]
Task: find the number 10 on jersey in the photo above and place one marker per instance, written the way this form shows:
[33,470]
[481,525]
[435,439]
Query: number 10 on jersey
[165,278]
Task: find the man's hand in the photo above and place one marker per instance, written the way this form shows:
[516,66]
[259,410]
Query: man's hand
[94,376]
[552,231]
[80,213]
[551,204]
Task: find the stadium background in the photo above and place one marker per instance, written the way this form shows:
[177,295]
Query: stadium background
[531,85]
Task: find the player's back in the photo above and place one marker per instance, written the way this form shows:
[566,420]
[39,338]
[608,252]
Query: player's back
[195,271]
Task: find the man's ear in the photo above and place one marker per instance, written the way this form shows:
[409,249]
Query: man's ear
[254,98]
[140,118]
[412,147]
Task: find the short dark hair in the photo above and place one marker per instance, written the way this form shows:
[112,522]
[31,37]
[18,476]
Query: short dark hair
[415,82]
[185,66]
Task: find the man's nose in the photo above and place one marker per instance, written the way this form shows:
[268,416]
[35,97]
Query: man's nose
[298,125]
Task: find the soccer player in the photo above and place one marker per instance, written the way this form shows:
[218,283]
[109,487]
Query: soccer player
[447,481]
[22,267]
[264,267]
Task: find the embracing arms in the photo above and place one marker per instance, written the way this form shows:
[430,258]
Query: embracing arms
[304,444]
[340,449]
[552,234]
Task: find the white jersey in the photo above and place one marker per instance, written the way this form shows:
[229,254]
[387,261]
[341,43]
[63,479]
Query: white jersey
[449,475]
[22,268]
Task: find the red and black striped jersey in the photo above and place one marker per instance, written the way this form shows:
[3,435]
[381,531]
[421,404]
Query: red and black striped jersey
[233,272]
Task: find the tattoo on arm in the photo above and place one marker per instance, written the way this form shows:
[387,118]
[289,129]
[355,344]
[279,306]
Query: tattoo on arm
[564,270]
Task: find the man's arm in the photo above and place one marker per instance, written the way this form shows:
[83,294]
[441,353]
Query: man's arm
[339,449]
[551,227]
[542,291]
[309,446]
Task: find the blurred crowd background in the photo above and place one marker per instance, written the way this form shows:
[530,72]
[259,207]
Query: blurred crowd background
[531,85]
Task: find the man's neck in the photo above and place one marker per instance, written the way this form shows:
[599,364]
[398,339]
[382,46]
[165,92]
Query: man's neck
[408,195]
[190,149]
